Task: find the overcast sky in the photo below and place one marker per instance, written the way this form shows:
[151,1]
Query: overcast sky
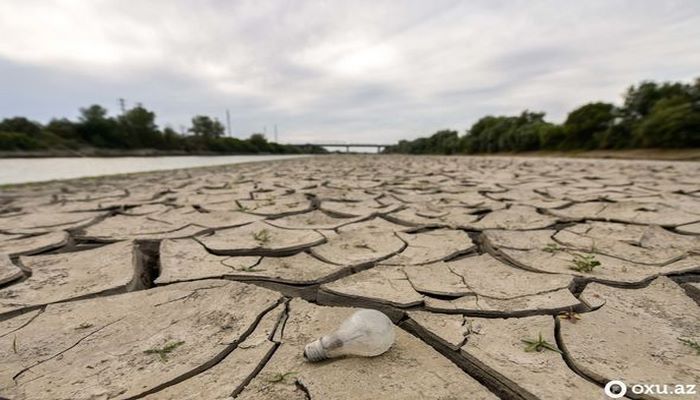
[348,71]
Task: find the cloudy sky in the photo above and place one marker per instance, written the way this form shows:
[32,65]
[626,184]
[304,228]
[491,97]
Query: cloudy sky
[345,71]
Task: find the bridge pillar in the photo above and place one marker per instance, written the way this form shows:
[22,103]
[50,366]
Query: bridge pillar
[347,149]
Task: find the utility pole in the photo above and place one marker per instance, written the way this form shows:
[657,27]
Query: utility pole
[122,105]
[276,141]
[228,122]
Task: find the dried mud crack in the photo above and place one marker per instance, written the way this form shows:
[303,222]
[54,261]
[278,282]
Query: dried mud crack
[207,283]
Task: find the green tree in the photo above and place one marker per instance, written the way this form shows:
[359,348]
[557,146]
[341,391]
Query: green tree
[20,125]
[551,137]
[639,100]
[97,129]
[135,129]
[13,141]
[138,126]
[206,127]
[63,128]
[503,133]
[525,133]
[443,142]
[172,140]
[585,125]
[259,142]
[672,122]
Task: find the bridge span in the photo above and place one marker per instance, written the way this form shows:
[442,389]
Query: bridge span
[349,145]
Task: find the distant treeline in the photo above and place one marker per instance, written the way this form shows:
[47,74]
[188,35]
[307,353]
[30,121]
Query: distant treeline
[653,116]
[134,129]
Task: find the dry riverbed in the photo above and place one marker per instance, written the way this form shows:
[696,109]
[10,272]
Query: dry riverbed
[513,278]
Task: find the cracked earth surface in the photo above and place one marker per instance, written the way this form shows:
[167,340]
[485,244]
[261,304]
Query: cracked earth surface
[207,283]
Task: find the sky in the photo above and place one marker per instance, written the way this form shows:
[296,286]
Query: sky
[337,71]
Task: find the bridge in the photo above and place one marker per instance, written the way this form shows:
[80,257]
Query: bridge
[348,145]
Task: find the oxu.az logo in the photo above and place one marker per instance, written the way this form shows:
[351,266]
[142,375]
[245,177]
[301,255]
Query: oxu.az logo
[617,389]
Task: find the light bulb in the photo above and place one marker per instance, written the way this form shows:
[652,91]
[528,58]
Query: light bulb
[366,333]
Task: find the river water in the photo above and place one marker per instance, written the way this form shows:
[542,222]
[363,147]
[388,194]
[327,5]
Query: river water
[21,170]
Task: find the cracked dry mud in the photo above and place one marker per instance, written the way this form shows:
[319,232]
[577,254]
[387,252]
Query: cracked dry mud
[207,283]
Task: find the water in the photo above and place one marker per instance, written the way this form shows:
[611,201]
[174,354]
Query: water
[21,170]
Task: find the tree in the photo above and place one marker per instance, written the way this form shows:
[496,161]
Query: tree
[96,128]
[587,123]
[172,140]
[525,132]
[443,142]
[139,128]
[259,141]
[672,122]
[640,100]
[63,128]
[20,125]
[505,133]
[13,141]
[135,129]
[617,136]
[551,137]
[206,127]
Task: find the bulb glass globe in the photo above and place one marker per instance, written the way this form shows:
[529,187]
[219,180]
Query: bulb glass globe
[366,333]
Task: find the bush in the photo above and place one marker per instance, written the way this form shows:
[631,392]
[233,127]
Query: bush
[20,125]
[671,123]
[10,141]
[587,124]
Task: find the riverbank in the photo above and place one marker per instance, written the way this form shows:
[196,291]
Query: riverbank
[628,154]
[114,153]
[24,170]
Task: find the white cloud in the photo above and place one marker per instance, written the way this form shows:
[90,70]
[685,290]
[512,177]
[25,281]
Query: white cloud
[352,71]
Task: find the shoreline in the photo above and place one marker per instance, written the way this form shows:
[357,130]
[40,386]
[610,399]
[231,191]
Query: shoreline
[626,154]
[106,153]
[163,168]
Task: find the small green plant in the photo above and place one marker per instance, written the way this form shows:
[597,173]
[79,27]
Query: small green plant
[539,344]
[691,343]
[552,248]
[262,236]
[278,377]
[167,349]
[584,262]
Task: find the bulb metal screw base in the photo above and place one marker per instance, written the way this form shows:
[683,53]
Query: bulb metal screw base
[315,351]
